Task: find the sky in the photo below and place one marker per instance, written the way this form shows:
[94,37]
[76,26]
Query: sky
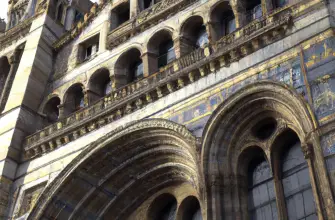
[3,8]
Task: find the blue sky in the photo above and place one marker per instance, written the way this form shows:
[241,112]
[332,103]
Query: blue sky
[3,8]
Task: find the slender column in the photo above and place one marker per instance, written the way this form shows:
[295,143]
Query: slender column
[134,9]
[320,177]
[182,46]
[9,14]
[239,12]
[14,64]
[61,111]
[150,63]
[308,152]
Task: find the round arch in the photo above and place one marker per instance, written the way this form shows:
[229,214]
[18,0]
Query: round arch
[99,83]
[128,67]
[158,154]
[223,136]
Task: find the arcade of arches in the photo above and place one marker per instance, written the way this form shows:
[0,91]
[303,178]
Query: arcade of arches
[259,158]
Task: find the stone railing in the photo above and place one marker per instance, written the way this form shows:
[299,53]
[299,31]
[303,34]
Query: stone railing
[145,19]
[174,76]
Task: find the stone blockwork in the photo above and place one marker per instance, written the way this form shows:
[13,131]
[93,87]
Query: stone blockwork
[98,123]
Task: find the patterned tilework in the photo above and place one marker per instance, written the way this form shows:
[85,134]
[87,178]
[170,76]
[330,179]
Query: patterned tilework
[319,63]
[195,116]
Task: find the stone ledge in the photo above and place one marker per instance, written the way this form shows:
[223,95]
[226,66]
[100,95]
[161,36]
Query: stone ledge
[181,72]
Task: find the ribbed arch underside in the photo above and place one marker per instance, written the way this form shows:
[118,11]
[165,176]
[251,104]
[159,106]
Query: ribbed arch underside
[116,179]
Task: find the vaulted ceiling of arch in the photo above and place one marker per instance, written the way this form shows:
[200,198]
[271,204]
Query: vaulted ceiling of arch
[140,164]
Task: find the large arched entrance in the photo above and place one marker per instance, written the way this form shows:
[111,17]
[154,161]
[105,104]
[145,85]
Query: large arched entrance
[248,147]
[113,176]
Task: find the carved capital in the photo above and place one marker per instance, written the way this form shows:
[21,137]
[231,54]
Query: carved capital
[307,150]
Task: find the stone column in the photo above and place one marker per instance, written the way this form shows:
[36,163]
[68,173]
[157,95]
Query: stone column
[9,14]
[182,46]
[267,7]
[134,9]
[61,111]
[14,64]
[239,12]
[150,63]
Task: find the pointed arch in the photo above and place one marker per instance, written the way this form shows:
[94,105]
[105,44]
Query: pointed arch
[103,179]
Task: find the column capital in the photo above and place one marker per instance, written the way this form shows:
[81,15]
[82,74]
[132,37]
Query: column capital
[307,150]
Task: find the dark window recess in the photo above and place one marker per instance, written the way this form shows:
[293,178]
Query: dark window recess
[119,15]
[60,13]
[254,10]
[261,194]
[264,129]
[166,53]
[296,183]
[137,70]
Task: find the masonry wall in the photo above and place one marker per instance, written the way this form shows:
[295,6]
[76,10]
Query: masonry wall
[304,60]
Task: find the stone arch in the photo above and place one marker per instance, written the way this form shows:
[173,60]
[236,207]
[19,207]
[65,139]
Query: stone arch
[51,110]
[128,67]
[192,34]
[99,84]
[189,208]
[223,138]
[222,19]
[158,154]
[74,99]
[160,49]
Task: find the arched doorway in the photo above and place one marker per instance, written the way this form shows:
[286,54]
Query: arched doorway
[113,176]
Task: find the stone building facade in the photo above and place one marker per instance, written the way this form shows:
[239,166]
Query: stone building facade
[167,109]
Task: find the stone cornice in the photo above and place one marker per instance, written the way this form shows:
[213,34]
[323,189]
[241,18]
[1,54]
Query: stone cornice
[174,76]
[146,19]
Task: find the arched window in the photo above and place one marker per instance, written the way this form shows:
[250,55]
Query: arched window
[74,99]
[99,84]
[193,35]
[51,109]
[295,179]
[128,67]
[161,50]
[261,193]
[164,207]
[4,71]
[189,209]
[223,20]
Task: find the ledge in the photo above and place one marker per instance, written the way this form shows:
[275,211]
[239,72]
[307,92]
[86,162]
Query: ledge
[178,74]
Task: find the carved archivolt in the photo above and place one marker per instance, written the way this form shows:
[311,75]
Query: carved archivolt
[140,158]
[228,134]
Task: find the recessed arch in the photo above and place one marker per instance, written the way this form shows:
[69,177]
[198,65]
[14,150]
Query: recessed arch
[99,84]
[193,34]
[163,207]
[160,50]
[222,19]
[158,154]
[223,134]
[74,98]
[189,209]
[128,67]
[51,110]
